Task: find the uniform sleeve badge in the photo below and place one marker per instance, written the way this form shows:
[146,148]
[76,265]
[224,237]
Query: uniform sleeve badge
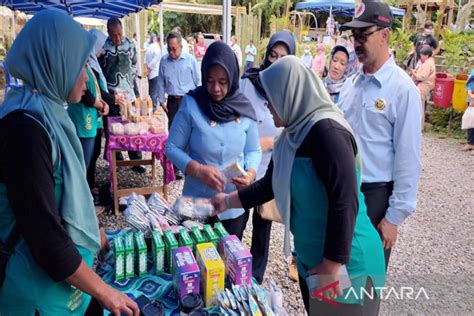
[380,104]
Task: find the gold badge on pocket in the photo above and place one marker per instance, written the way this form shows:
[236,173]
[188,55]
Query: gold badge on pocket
[380,104]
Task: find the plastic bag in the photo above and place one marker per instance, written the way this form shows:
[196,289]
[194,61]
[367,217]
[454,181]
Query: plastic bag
[196,209]
[468,118]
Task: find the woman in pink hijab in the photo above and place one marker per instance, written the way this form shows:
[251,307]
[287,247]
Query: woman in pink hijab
[319,61]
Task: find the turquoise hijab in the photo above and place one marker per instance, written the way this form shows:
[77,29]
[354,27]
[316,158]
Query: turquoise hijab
[48,55]
[300,100]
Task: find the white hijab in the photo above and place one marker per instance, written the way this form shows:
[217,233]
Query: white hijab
[300,99]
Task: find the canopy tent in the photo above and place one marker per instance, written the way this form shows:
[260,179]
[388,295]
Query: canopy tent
[336,7]
[101,9]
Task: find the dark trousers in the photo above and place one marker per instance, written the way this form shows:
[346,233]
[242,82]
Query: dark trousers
[248,65]
[376,198]
[260,245]
[88,149]
[173,106]
[236,226]
[153,91]
[370,307]
[95,156]
[470,136]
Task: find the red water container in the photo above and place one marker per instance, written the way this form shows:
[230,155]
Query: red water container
[443,90]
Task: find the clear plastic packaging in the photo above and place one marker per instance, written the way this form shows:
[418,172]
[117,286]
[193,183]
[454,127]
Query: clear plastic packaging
[196,209]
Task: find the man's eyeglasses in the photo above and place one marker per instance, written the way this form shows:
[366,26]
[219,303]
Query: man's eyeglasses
[363,36]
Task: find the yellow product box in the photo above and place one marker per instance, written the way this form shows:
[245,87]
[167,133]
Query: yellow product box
[212,272]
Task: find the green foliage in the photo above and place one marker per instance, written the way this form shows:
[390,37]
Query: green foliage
[439,123]
[458,51]
[400,42]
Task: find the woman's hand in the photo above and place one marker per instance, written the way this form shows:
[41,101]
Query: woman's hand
[328,273]
[244,181]
[119,99]
[211,177]
[219,203]
[116,302]
[105,109]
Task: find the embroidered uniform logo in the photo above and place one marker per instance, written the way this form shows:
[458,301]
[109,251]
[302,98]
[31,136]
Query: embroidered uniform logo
[380,104]
[359,9]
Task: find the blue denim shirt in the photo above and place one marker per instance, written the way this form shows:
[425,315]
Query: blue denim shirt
[193,138]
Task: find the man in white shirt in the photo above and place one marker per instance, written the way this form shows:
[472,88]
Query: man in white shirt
[250,53]
[152,63]
[236,49]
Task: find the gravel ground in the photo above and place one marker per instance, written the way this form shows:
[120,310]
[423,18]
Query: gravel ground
[434,253]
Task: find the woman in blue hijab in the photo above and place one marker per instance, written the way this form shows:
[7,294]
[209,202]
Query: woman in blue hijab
[213,129]
[48,223]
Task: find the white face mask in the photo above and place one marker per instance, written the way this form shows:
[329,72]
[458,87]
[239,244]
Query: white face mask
[428,31]
[306,51]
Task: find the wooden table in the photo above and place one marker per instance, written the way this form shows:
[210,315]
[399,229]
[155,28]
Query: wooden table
[153,143]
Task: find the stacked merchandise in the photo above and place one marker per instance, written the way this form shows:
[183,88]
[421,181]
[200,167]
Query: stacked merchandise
[210,268]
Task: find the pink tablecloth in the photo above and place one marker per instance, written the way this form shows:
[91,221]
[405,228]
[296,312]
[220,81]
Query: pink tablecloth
[154,143]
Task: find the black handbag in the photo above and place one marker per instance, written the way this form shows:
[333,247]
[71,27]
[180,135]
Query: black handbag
[6,251]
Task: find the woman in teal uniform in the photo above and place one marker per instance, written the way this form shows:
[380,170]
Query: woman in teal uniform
[46,209]
[314,177]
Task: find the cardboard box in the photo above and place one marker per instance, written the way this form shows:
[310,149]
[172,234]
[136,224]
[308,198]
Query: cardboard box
[158,252]
[220,230]
[170,244]
[186,271]
[212,272]
[129,256]
[142,255]
[210,235]
[119,258]
[237,259]
[185,239]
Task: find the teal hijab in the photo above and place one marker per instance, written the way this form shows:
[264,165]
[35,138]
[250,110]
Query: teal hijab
[300,100]
[48,55]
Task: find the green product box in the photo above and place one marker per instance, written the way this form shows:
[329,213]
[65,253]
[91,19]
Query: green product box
[210,235]
[185,239]
[220,230]
[129,256]
[158,251]
[119,258]
[197,238]
[170,244]
[140,246]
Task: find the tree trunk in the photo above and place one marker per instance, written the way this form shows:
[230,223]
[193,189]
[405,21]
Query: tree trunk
[408,15]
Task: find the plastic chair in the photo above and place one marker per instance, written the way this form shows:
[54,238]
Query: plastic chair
[9,79]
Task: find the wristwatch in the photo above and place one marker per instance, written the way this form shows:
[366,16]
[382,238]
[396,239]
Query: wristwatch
[227,201]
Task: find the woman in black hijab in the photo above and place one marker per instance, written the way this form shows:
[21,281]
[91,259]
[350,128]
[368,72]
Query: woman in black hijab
[215,128]
[280,45]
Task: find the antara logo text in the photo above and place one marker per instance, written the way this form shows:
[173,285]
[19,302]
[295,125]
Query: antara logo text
[386,292]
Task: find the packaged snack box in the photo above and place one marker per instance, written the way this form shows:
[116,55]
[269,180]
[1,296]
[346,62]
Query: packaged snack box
[170,244]
[158,252]
[220,230]
[212,272]
[186,271]
[238,260]
[119,258]
[129,256]
[185,239]
[197,237]
[140,244]
[210,235]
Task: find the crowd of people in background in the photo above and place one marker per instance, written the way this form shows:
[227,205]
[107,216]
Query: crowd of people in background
[332,142]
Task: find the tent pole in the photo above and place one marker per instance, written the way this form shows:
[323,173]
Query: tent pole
[226,20]
[139,54]
[162,35]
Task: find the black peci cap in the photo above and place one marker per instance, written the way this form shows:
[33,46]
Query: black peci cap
[370,13]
